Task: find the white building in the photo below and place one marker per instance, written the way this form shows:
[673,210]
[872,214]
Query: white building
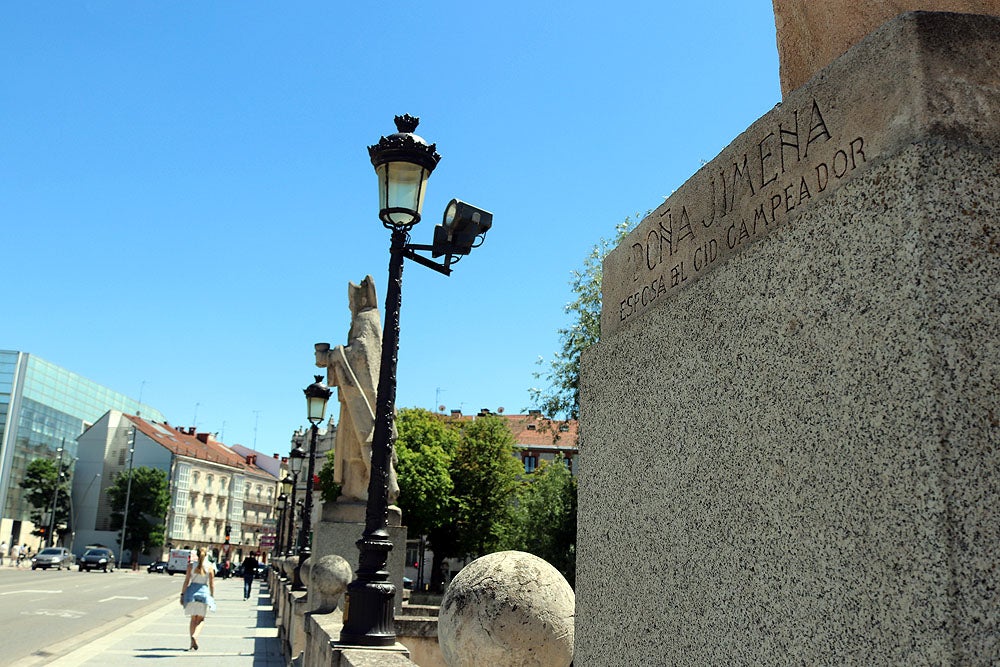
[215,493]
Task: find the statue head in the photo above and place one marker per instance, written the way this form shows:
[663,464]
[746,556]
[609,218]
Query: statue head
[362,297]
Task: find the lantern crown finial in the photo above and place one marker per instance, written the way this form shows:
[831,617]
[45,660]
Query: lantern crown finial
[406,123]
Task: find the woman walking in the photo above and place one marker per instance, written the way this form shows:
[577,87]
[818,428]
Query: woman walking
[198,595]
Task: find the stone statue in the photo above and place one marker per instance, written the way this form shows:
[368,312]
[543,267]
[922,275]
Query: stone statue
[354,370]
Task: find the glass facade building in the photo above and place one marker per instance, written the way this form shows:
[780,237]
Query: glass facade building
[44,407]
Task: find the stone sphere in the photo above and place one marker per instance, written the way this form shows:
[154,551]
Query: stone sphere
[508,609]
[327,577]
[289,565]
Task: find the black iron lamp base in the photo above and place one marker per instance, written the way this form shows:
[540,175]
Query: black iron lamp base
[369,614]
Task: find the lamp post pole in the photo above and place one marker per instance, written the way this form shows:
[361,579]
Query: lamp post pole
[55,496]
[282,503]
[128,496]
[291,516]
[317,395]
[370,620]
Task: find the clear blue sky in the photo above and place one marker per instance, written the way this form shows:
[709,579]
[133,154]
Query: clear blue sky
[185,189]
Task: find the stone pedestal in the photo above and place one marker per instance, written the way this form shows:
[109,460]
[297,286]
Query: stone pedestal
[790,428]
[811,34]
[341,528]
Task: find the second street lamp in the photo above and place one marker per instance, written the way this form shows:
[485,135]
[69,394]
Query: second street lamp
[403,162]
[295,460]
[317,394]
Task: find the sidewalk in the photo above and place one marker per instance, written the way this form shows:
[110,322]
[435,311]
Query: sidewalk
[240,632]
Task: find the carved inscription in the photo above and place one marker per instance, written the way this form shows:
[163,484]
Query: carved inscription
[747,194]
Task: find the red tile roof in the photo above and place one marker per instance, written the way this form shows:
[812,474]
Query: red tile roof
[533,430]
[187,442]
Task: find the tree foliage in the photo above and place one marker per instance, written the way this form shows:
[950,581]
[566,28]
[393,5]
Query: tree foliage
[486,475]
[561,396]
[148,503]
[41,479]
[424,448]
[328,488]
[457,483]
[545,517]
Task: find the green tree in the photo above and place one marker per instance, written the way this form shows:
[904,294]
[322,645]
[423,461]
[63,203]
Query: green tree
[41,479]
[328,488]
[561,396]
[148,503]
[486,475]
[546,517]
[424,448]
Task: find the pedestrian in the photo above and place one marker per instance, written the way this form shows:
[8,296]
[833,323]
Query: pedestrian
[249,572]
[15,555]
[198,594]
[3,551]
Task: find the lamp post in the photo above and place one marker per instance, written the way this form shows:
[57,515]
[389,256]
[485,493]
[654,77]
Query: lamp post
[55,495]
[128,495]
[281,503]
[295,460]
[288,485]
[317,394]
[403,162]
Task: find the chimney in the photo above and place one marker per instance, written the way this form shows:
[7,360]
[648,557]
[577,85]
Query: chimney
[275,456]
[456,413]
[204,437]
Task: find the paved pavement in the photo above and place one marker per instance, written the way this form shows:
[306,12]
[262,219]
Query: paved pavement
[240,632]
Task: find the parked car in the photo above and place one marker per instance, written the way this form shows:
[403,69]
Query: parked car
[97,559]
[158,566]
[56,557]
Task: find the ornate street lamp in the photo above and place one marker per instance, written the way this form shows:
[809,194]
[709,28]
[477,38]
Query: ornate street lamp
[317,394]
[295,460]
[287,488]
[403,162]
[280,504]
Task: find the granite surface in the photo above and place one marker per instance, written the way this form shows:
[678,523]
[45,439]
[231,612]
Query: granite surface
[811,34]
[795,459]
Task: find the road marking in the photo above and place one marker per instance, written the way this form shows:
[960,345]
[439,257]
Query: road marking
[61,613]
[124,597]
[29,591]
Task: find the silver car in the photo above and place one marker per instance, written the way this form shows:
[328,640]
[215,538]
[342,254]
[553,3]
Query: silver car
[56,557]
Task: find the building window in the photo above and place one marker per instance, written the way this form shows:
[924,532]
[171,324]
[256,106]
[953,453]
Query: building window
[181,502]
[530,463]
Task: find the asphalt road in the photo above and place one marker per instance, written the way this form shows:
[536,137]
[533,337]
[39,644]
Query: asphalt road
[47,613]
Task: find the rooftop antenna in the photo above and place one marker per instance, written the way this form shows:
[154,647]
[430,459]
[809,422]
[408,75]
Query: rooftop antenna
[437,397]
[256,417]
[194,422]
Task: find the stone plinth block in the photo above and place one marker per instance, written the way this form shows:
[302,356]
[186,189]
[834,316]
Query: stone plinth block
[508,609]
[341,528]
[793,457]
[922,75]
[811,34]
